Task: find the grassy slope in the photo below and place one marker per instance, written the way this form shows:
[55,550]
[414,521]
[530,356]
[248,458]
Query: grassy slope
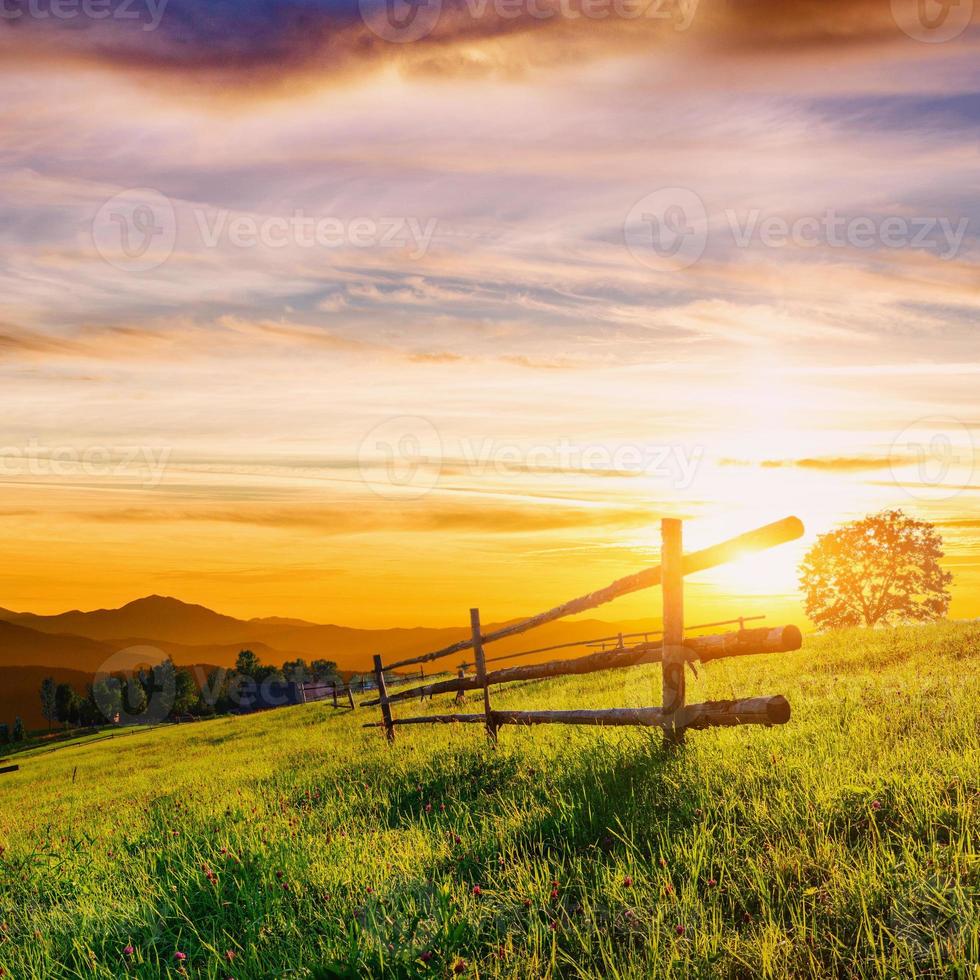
[843,844]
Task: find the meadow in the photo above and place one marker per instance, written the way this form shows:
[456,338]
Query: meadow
[295,843]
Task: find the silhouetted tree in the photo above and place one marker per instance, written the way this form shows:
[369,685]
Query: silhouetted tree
[4,734]
[185,692]
[325,670]
[18,735]
[49,705]
[67,704]
[248,664]
[883,569]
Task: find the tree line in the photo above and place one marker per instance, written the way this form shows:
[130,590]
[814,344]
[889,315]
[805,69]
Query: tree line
[166,691]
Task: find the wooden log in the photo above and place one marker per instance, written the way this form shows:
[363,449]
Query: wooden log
[768,536]
[774,710]
[779,639]
[673,655]
[350,698]
[379,674]
[6,769]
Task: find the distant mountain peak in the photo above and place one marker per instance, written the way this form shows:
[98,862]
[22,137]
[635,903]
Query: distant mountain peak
[161,602]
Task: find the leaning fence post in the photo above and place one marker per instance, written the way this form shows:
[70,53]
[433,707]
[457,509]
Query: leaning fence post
[672,564]
[481,672]
[379,673]
[350,698]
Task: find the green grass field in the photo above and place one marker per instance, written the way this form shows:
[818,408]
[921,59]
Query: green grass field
[296,844]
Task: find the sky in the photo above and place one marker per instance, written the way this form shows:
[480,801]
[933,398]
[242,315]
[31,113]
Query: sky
[370,315]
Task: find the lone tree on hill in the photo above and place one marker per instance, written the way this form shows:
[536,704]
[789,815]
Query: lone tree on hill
[882,569]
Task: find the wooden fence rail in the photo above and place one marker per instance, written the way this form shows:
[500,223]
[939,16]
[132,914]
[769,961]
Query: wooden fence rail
[673,652]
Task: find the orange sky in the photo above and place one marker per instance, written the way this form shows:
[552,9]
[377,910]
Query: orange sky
[485,389]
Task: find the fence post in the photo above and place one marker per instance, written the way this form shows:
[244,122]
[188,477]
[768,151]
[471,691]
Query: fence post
[481,672]
[459,694]
[350,698]
[672,564]
[421,678]
[379,673]
[333,691]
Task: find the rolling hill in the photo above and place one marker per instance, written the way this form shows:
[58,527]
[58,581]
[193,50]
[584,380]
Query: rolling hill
[191,635]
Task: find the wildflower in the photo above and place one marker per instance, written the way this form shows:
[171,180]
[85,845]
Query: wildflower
[875,805]
[527,903]
[180,956]
[459,966]
[369,889]
[712,882]
[477,890]
[230,955]
[128,950]
[442,807]
[553,925]
[627,881]
[428,808]
[679,929]
[426,956]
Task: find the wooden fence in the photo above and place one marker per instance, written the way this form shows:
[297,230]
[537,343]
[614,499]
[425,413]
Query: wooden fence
[673,651]
[320,691]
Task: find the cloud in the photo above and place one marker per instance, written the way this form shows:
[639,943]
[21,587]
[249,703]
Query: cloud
[256,48]
[424,518]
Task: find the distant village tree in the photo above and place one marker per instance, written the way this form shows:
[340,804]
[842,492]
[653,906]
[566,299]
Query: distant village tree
[66,704]
[4,733]
[19,733]
[248,664]
[49,704]
[881,570]
[325,670]
[186,694]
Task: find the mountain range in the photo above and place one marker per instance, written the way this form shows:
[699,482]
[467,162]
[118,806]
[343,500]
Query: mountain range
[78,642]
